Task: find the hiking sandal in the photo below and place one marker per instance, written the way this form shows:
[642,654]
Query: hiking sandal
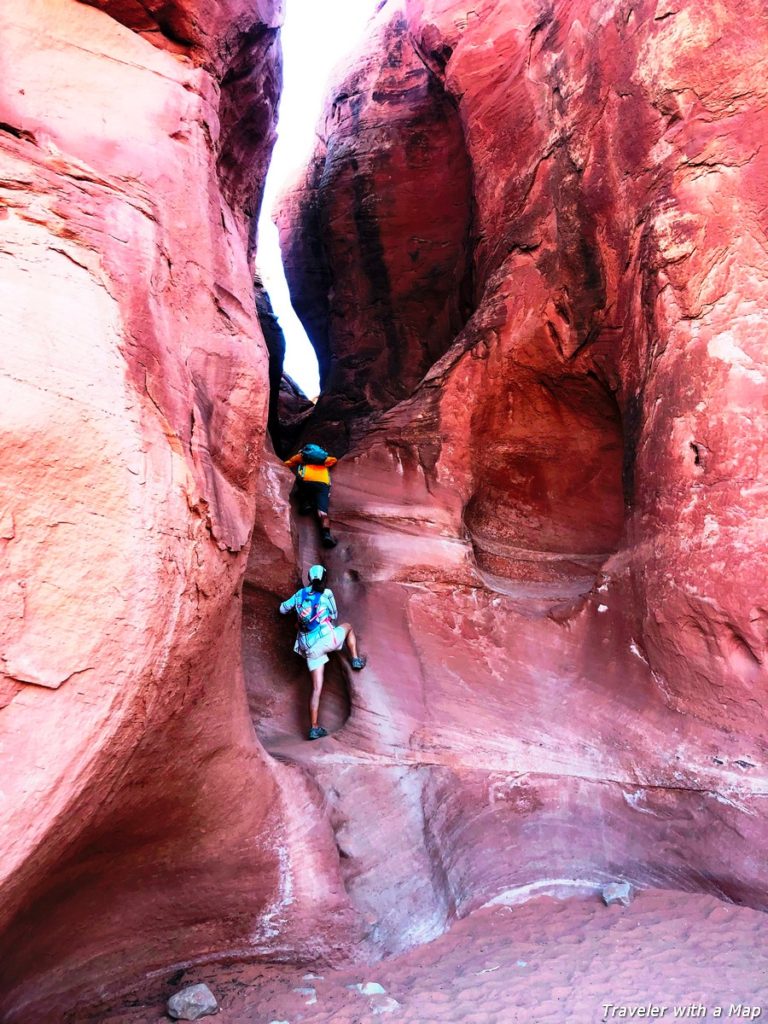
[358,663]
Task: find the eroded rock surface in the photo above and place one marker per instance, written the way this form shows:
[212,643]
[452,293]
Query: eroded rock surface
[142,824]
[376,240]
[555,962]
[552,544]
[530,251]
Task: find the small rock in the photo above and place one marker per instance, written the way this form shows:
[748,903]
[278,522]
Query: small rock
[370,988]
[310,993]
[192,1003]
[617,892]
[385,1005]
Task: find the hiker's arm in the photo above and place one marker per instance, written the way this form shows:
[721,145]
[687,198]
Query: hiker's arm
[330,461]
[294,460]
[332,609]
[288,606]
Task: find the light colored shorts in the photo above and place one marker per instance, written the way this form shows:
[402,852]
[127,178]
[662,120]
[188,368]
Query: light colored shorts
[318,653]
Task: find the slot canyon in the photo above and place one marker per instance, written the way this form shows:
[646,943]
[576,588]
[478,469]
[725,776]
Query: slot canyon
[530,249]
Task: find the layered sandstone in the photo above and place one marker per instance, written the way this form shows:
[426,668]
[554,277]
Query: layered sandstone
[552,544]
[553,963]
[529,252]
[142,825]
[379,266]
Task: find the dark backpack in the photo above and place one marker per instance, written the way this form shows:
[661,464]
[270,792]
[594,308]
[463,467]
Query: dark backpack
[313,455]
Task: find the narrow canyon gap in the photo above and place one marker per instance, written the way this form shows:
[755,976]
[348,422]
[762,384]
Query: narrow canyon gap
[530,252]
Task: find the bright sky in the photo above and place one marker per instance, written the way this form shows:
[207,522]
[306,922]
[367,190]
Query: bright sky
[316,36]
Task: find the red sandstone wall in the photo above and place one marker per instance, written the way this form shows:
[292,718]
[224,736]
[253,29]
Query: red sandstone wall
[551,518]
[141,824]
[379,265]
[553,547]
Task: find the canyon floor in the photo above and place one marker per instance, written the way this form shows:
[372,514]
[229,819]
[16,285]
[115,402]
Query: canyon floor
[547,960]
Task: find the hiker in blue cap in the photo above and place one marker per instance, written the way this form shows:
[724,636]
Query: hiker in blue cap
[316,611]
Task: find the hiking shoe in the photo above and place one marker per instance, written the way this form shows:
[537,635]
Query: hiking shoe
[328,540]
[317,732]
[358,663]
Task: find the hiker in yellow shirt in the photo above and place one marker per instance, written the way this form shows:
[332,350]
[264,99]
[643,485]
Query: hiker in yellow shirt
[313,486]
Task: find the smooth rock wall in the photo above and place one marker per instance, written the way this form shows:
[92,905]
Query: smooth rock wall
[141,823]
[376,239]
[552,544]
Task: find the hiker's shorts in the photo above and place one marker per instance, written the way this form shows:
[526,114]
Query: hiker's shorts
[314,495]
[318,653]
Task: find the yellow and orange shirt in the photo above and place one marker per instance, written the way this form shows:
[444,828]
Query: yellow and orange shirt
[311,473]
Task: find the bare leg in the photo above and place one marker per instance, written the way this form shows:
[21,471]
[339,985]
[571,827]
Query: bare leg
[317,689]
[325,530]
[350,638]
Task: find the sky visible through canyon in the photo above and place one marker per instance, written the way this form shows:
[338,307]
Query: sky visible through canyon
[316,38]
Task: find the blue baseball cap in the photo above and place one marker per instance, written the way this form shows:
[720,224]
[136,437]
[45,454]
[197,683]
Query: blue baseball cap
[316,572]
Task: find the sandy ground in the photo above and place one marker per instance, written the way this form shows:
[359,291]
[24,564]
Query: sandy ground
[545,961]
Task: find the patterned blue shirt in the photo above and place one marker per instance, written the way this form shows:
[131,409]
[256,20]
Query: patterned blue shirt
[325,615]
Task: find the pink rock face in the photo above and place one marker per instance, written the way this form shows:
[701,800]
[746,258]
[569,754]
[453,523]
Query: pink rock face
[552,547]
[550,962]
[551,517]
[141,823]
[376,239]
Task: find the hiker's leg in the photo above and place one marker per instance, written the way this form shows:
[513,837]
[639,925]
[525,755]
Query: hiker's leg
[304,498]
[317,689]
[349,638]
[323,519]
[322,504]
